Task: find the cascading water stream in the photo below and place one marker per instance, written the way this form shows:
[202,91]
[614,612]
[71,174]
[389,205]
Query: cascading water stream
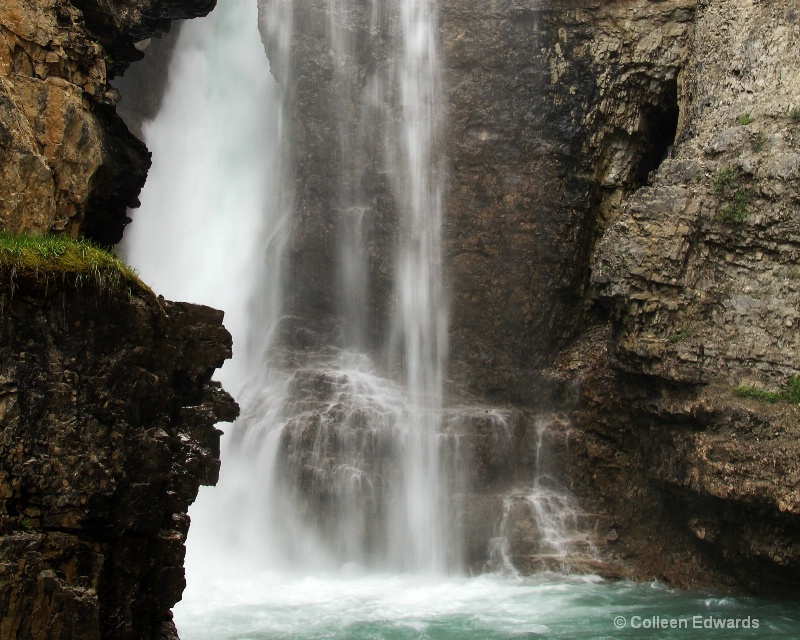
[211,229]
[213,216]
[228,222]
[420,321]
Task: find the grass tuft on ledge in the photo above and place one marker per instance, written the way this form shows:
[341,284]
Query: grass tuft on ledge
[790,393]
[43,257]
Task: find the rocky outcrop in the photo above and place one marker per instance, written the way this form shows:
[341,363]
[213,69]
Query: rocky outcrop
[68,162]
[123,28]
[107,412]
[698,274]
[564,138]
[107,408]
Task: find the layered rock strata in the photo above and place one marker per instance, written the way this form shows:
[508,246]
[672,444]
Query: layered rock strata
[697,273]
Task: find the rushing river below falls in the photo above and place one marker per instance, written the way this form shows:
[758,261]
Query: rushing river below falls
[489,607]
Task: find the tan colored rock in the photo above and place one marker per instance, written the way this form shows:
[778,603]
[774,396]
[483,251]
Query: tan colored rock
[699,271]
[729,283]
[27,188]
[52,144]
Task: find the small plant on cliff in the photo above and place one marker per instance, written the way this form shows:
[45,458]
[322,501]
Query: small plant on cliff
[726,180]
[794,114]
[684,334]
[745,119]
[27,524]
[758,142]
[790,393]
[42,257]
[735,197]
[735,212]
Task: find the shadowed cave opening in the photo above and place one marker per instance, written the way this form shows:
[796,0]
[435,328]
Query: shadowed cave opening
[659,131]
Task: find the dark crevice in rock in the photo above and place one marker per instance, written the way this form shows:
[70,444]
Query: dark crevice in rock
[119,26]
[757,546]
[660,127]
[116,185]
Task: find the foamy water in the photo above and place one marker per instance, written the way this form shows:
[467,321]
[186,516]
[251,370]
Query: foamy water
[397,607]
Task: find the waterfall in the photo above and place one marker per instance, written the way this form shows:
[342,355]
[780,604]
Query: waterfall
[213,216]
[560,522]
[211,229]
[420,320]
[558,534]
[333,516]
[335,458]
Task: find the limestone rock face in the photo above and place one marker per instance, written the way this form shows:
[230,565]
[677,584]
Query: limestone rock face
[552,113]
[107,413]
[698,274]
[68,163]
[621,241]
[702,260]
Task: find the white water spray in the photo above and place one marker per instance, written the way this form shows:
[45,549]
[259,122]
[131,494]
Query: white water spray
[560,522]
[211,224]
[367,487]
[212,228]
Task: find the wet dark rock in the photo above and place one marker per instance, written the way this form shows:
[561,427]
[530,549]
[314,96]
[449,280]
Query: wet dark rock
[590,273]
[107,410]
[119,26]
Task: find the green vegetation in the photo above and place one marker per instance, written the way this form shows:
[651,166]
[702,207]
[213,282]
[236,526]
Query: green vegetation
[735,212]
[109,60]
[794,114]
[790,393]
[27,524]
[745,119]
[735,197]
[48,256]
[684,334]
[725,180]
[758,142]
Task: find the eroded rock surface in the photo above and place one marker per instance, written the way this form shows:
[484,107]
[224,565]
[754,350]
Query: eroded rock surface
[107,416]
[621,241]
[67,162]
[698,273]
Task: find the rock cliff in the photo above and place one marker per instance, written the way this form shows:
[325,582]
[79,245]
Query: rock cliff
[107,408]
[697,273]
[108,414]
[621,239]
[68,162]
[621,210]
